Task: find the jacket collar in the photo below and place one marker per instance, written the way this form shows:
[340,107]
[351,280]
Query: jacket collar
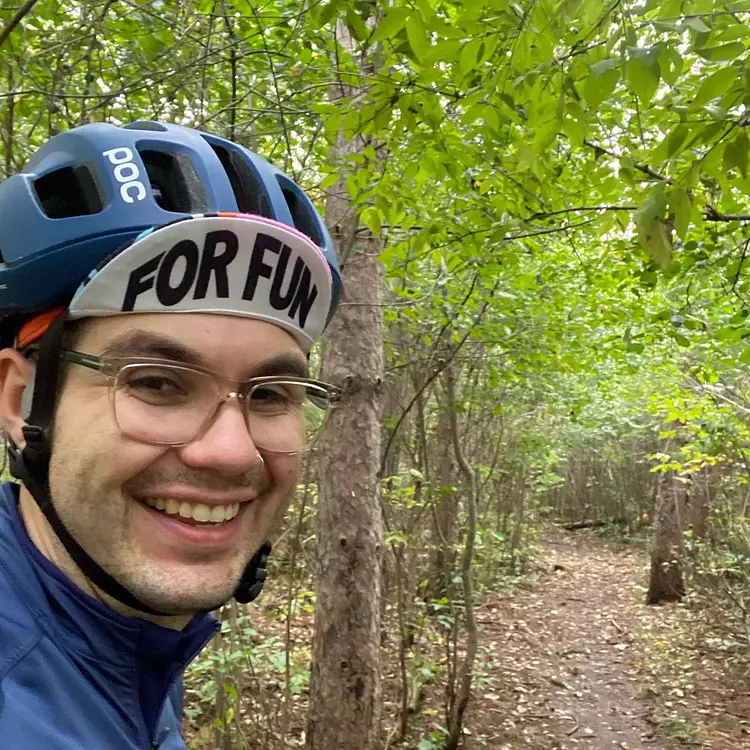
[85,625]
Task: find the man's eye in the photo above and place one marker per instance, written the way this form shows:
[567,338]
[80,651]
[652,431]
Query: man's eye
[156,386]
[269,396]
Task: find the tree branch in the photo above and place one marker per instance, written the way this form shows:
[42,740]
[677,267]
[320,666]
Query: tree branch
[20,13]
[547,214]
[711,214]
[640,167]
[536,232]
[440,367]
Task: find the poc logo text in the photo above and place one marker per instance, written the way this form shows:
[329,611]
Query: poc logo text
[127,174]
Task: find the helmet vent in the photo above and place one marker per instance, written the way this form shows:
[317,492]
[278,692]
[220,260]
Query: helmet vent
[174,182]
[66,192]
[146,125]
[302,213]
[249,190]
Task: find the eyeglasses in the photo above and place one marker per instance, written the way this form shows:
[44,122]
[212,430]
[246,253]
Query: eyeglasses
[166,403]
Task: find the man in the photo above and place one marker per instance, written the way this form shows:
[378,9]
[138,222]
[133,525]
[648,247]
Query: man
[155,396]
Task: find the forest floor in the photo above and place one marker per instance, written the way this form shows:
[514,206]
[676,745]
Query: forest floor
[569,659]
[578,661]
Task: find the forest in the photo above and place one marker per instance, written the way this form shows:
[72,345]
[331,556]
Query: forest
[527,524]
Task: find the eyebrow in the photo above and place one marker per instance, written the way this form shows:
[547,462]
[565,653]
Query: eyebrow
[284,364]
[139,343]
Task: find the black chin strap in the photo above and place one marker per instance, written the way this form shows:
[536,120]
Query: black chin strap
[251,583]
[31,466]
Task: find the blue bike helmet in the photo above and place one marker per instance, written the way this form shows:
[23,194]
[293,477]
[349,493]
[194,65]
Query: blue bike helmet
[92,189]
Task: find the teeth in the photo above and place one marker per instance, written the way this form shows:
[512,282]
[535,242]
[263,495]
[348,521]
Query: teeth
[197,511]
[201,512]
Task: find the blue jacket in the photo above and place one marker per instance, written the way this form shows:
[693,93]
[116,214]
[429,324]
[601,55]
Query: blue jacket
[74,674]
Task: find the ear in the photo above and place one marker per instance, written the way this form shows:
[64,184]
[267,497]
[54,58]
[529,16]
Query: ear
[16,374]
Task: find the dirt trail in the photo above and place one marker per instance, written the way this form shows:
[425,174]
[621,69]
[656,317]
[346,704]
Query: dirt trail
[559,670]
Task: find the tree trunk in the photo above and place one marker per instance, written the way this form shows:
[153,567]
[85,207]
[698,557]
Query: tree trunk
[666,583]
[465,672]
[701,500]
[345,690]
[444,511]
[670,521]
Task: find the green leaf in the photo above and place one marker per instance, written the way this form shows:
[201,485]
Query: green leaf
[712,163]
[328,180]
[723,52]
[736,153]
[545,136]
[417,36]
[676,138]
[669,9]
[656,240]
[328,13]
[602,66]
[446,50]
[356,25]
[643,74]
[682,207]
[599,86]
[470,56]
[372,219]
[745,356]
[736,31]
[666,25]
[718,113]
[393,22]
[352,186]
[697,24]
[488,48]
[575,129]
[491,116]
[653,232]
[716,85]
[670,64]
[411,170]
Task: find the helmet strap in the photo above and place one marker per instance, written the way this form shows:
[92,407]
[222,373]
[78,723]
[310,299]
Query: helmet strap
[254,576]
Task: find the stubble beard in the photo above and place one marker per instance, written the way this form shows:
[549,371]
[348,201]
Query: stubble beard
[103,528]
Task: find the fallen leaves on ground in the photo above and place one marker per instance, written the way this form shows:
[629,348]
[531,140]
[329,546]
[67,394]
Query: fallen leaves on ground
[569,665]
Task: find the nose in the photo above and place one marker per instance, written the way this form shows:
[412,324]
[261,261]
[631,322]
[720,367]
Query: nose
[226,446]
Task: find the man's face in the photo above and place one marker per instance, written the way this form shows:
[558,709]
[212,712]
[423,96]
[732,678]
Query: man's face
[106,485]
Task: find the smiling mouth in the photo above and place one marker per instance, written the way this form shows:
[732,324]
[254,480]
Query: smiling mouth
[194,513]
